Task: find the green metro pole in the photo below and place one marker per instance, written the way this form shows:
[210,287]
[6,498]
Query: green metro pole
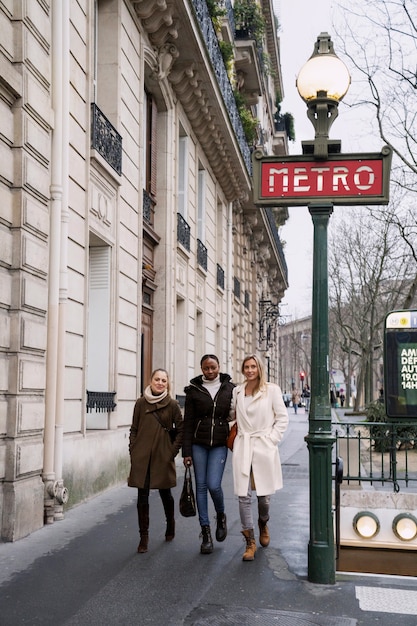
[321,553]
[322,82]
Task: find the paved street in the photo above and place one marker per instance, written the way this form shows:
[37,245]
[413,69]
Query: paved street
[85,570]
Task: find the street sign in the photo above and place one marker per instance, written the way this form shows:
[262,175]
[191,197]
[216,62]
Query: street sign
[341,179]
[400,364]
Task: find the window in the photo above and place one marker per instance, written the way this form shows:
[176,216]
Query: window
[98,338]
[182,176]
[201,208]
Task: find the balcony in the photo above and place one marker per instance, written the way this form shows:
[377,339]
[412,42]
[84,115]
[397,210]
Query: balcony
[183,232]
[105,139]
[148,208]
[212,43]
[236,287]
[277,241]
[220,276]
[202,255]
[248,66]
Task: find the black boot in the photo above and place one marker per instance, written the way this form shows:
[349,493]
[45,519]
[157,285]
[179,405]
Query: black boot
[207,541]
[221,528]
[169,514]
[143,517]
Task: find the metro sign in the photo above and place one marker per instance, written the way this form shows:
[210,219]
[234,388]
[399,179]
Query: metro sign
[340,180]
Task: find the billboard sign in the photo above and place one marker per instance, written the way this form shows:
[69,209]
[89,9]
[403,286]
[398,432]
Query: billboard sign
[400,364]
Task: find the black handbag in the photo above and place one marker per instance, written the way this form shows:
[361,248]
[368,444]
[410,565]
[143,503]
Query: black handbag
[187,500]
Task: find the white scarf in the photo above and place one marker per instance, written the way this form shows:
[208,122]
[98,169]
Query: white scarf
[151,398]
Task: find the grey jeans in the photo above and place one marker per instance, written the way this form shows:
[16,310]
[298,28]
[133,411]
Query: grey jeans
[245,509]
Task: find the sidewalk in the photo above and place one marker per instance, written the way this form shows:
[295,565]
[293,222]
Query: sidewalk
[84,570]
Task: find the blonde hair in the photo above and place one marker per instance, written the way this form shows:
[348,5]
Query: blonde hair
[161,369]
[261,370]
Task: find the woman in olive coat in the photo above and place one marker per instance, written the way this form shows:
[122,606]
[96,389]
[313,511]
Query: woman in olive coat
[155,440]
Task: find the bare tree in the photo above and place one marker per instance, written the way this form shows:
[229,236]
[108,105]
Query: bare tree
[369,266]
[379,37]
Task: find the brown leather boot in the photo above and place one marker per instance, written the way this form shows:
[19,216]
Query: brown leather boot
[143,544]
[249,553]
[143,517]
[169,513]
[263,533]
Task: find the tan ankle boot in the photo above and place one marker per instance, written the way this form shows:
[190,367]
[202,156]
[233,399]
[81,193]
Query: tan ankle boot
[263,533]
[249,553]
[143,544]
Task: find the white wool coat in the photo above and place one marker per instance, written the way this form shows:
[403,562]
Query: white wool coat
[260,427]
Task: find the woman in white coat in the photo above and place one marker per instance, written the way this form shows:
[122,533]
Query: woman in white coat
[262,419]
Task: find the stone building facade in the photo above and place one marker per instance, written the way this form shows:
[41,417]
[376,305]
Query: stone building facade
[129,239]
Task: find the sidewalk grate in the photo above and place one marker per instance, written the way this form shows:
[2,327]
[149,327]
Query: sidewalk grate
[244,616]
[386,600]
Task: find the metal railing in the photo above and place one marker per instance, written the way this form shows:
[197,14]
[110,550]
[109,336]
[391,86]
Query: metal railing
[105,139]
[277,241]
[183,232]
[236,287]
[201,255]
[101,401]
[379,453]
[148,208]
[213,49]
[220,276]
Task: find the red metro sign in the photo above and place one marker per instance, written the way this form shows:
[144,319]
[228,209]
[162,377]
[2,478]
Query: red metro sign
[340,179]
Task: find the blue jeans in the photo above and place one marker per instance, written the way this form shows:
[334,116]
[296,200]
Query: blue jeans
[209,464]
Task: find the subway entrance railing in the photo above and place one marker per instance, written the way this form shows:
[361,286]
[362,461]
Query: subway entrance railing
[375,498]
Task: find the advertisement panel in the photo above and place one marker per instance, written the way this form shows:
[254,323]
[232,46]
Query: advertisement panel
[400,364]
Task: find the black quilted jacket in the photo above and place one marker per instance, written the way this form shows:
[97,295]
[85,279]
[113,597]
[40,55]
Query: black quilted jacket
[205,418]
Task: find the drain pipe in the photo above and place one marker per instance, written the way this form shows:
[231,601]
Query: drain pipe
[229,294]
[48,476]
[61,496]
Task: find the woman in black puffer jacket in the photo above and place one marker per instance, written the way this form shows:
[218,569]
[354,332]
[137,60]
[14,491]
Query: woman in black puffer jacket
[207,405]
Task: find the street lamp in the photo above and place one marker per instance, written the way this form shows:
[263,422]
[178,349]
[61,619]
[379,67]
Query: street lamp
[321,83]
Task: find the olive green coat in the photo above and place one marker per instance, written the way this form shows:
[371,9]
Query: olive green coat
[150,444]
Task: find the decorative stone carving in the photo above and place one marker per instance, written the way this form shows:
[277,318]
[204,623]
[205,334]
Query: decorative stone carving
[166,56]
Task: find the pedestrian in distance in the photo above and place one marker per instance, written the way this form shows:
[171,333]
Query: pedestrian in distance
[262,419]
[307,396]
[155,440]
[206,413]
[295,398]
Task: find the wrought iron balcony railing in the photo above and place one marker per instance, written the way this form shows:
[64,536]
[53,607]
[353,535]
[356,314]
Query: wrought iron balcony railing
[220,276]
[101,401]
[148,208]
[236,287]
[247,299]
[183,232]
[201,255]
[277,240]
[212,43]
[105,139]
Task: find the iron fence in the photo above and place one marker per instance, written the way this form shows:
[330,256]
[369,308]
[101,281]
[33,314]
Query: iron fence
[379,453]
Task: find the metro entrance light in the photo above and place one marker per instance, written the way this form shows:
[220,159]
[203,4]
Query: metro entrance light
[322,82]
